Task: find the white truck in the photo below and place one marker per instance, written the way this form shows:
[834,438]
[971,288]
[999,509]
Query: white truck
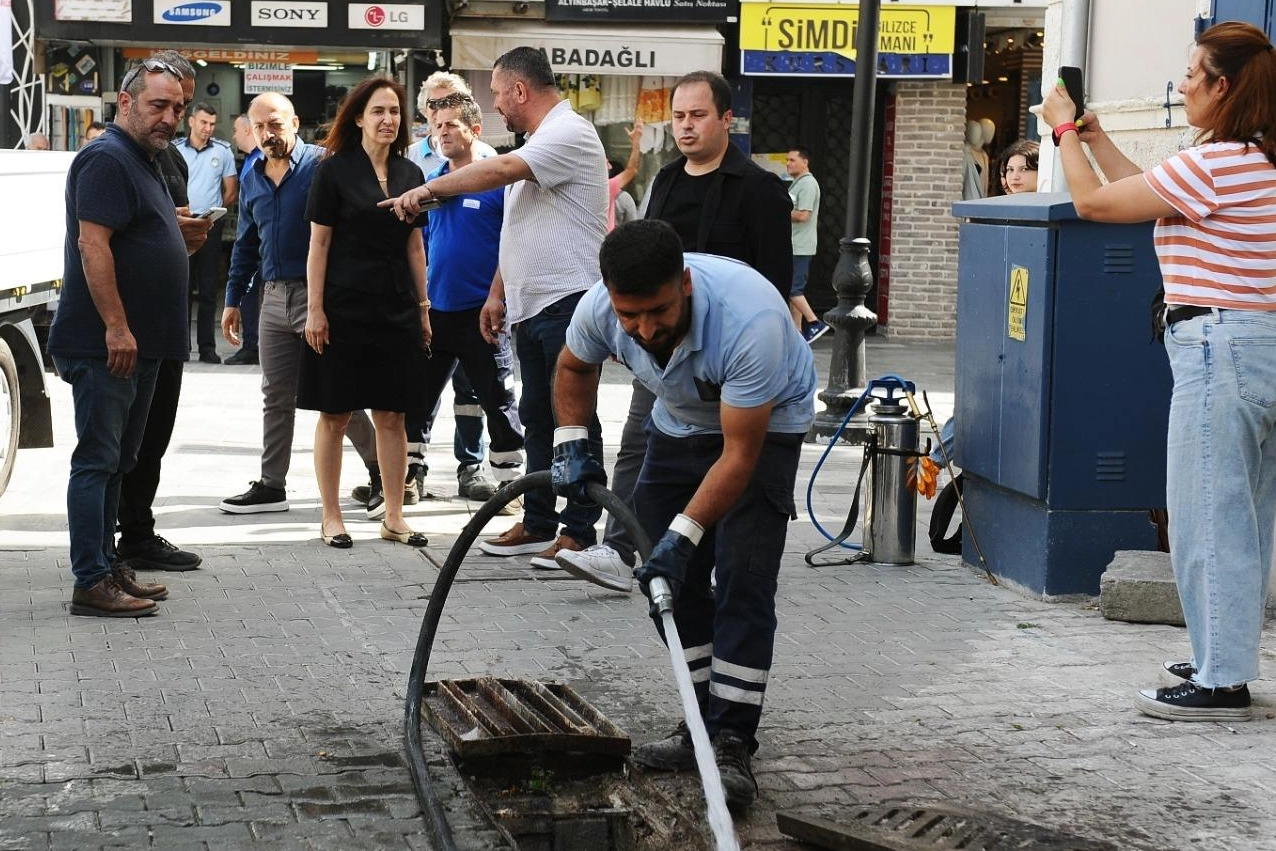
[32,230]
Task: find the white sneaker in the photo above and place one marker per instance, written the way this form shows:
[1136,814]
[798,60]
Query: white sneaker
[600,564]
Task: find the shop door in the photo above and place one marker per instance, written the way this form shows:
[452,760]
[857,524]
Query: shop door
[817,115]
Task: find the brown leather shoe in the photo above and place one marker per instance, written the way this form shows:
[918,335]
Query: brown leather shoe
[127,578]
[516,541]
[544,560]
[107,600]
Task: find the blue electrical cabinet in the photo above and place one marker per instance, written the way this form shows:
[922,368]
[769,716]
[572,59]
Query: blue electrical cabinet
[1062,396]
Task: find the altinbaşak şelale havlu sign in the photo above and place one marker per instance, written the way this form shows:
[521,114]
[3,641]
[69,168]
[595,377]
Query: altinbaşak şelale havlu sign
[640,10]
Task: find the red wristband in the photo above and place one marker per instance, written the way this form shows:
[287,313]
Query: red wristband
[1057,133]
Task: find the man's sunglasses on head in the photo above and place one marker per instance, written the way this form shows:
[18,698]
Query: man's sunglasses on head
[451,101]
[152,66]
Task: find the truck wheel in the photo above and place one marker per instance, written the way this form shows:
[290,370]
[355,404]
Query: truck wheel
[10,413]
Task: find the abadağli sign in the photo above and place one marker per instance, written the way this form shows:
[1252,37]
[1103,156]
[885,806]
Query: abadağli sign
[649,11]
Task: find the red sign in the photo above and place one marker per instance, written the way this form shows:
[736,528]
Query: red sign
[375,16]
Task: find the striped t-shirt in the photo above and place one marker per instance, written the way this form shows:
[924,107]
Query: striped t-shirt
[1220,251]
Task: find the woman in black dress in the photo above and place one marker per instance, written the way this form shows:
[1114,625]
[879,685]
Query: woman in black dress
[368,325]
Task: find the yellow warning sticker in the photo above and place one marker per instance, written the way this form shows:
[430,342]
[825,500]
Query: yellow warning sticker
[1018,306]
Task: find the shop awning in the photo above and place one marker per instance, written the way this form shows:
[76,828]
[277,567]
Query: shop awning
[629,49]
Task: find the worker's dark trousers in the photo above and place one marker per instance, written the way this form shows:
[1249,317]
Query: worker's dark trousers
[728,634]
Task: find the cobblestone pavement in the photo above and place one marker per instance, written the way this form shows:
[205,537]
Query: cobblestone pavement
[262,708]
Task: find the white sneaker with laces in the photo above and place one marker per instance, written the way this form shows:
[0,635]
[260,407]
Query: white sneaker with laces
[600,564]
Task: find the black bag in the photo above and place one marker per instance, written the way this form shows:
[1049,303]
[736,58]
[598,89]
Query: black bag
[942,514]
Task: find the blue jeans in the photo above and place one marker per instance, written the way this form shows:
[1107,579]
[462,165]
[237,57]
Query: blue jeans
[537,342]
[110,419]
[1221,485]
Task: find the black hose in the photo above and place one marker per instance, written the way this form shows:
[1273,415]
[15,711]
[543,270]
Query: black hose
[430,806]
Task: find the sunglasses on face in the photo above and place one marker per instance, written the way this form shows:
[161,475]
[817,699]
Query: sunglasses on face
[152,66]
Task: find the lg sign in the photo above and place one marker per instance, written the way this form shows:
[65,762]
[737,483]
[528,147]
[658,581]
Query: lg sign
[386,16]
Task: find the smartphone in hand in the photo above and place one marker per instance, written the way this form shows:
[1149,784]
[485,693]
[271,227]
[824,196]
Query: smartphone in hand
[213,213]
[1074,83]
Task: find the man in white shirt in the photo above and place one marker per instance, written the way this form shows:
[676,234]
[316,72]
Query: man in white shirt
[557,196]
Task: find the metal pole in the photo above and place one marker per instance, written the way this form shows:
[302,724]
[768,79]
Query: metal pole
[853,276]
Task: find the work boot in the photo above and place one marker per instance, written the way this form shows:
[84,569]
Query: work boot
[411,496]
[732,755]
[672,753]
[107,600]
[127,579]
[472,484]
[361,493]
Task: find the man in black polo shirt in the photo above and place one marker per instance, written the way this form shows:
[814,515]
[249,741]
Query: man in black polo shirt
[121,312]
[139,545]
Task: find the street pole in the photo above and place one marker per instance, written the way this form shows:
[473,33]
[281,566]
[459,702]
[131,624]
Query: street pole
[853,276]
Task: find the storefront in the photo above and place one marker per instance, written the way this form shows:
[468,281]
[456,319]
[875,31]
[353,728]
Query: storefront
[312,50]
[799,61]
[614,61]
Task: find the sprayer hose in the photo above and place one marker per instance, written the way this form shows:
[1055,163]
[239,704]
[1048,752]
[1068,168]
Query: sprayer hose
[430,805]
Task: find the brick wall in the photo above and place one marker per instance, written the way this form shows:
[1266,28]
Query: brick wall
[930,123]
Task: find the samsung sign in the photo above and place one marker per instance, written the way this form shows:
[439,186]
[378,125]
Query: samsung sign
[289,13]
[207,13]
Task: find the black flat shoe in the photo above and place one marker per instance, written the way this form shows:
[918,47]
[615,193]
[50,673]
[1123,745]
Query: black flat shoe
[412,539]
[340,541]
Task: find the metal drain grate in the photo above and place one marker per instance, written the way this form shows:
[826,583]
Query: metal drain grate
[922,828]
[489,716]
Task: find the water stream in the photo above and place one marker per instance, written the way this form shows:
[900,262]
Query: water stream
[719,818]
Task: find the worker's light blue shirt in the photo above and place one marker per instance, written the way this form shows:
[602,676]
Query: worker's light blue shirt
[742,348]
[207,165]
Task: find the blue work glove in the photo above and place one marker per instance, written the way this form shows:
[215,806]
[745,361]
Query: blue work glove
[573,466]
[670,557]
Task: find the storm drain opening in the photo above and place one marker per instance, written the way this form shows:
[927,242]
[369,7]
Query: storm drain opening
[928,828]
[548,770]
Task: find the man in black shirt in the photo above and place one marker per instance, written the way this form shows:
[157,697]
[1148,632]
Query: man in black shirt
[139,547]
[121,314]
[720,202]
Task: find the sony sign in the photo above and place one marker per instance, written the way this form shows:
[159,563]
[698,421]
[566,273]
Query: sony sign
[289,13]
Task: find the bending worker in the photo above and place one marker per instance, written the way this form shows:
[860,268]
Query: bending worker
[735,384]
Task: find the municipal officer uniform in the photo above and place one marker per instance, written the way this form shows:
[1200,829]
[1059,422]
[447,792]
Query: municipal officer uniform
[742,349]
[208,166]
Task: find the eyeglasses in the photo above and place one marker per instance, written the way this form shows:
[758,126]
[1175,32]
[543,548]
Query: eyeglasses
[152,66]
[449,101]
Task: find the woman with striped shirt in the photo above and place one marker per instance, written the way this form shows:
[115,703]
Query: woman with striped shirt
[1215,211]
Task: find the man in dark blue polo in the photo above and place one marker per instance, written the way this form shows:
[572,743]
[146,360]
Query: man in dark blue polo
[122,311]
[271,244]
[463,238]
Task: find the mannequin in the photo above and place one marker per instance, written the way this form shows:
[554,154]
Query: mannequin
[975,176]
[988,130]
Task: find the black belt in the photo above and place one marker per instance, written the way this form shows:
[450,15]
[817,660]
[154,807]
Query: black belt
[1188,311]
